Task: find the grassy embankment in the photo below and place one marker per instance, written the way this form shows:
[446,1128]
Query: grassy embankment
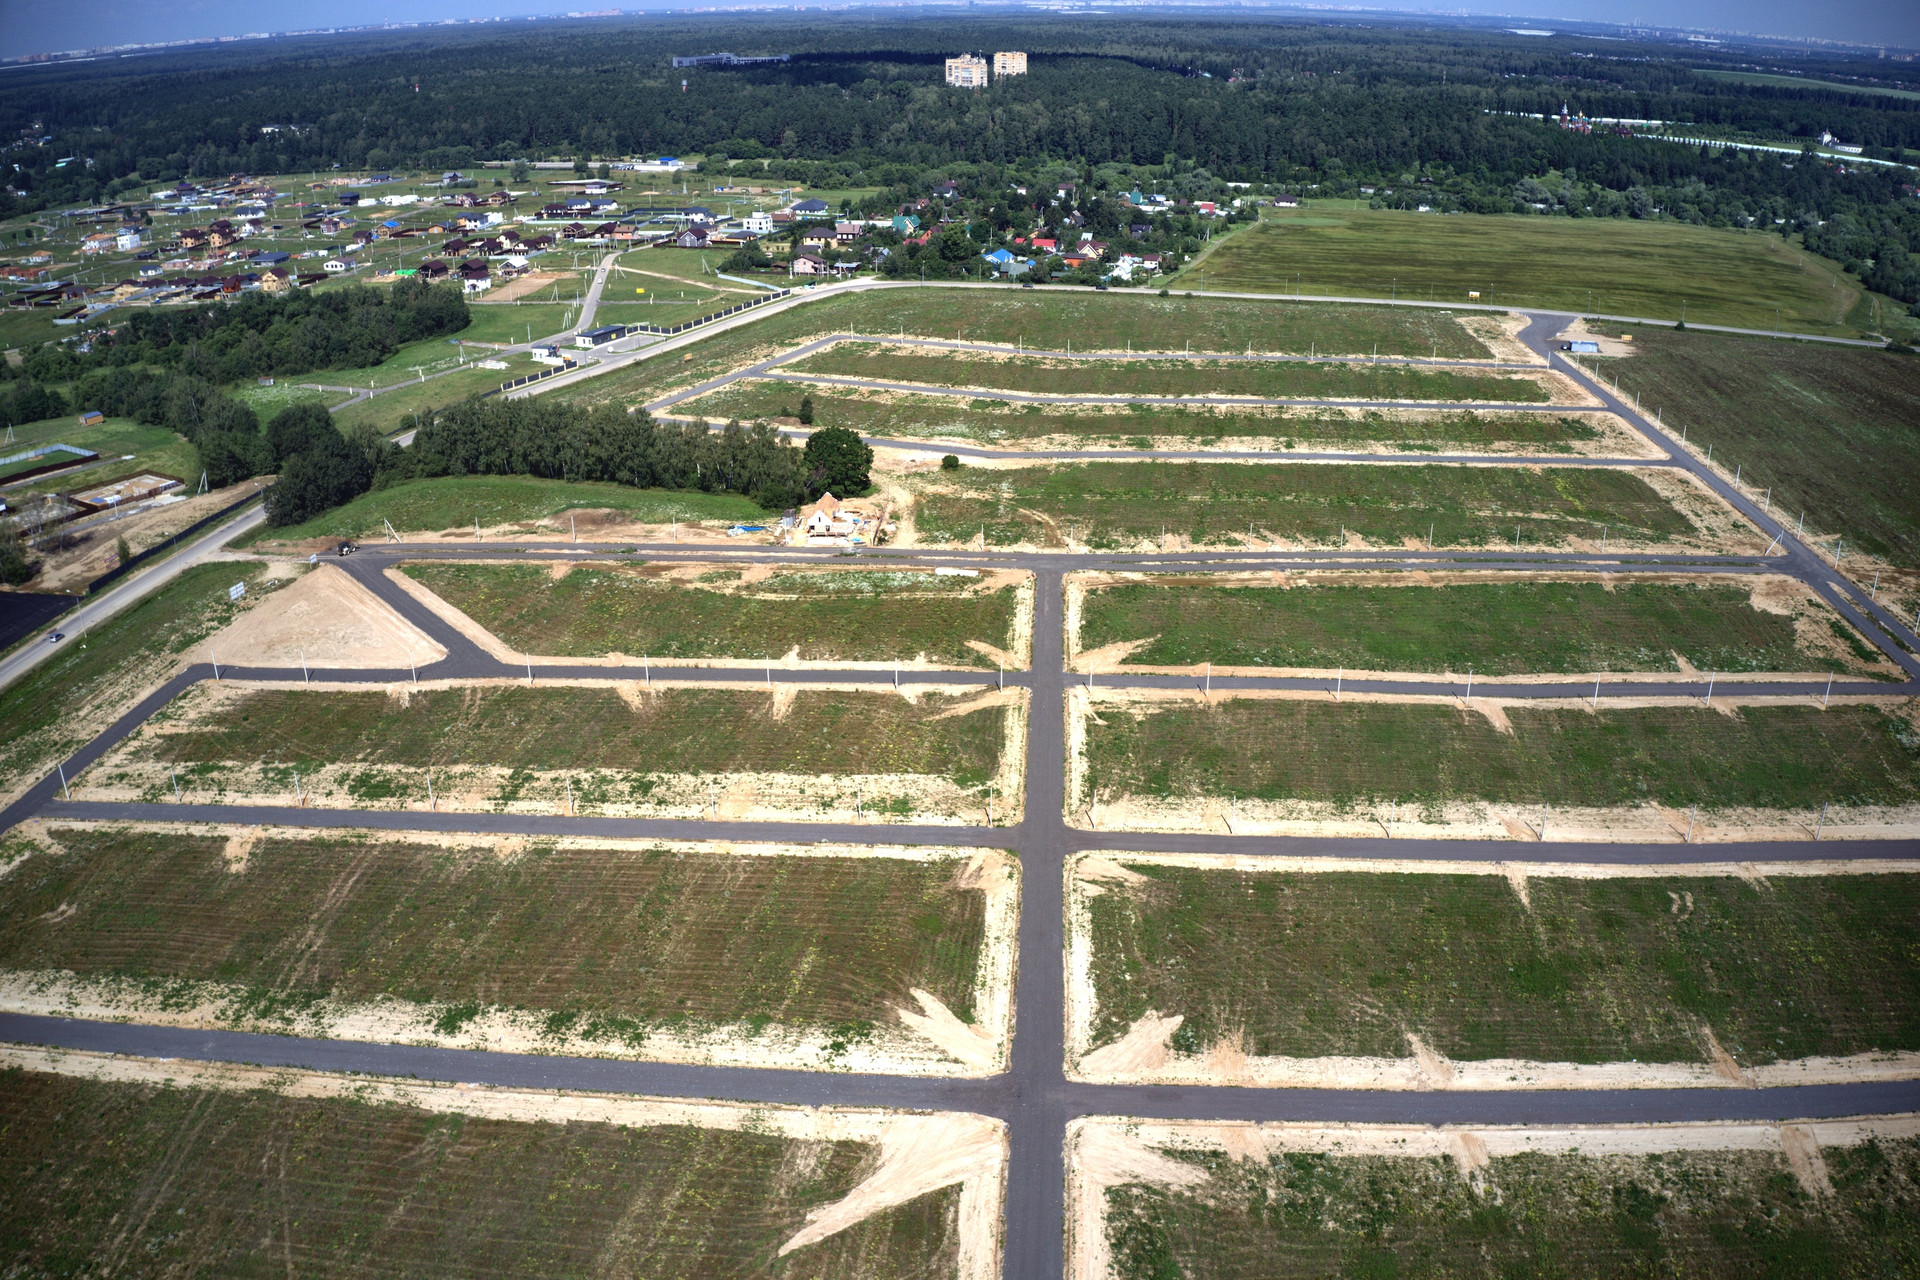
[1830,430]
[336,1187]
[830,616]
[614,746]
[453,503]
[1632,268]
[1492,628]
[1282,380]
[1781,757]
[1722,1215]
[996,421]
[92,678]
[1110,504]
[1315,965]
[606,943]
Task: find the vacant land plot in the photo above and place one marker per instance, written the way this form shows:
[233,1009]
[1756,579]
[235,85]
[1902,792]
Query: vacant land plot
[1778,757]
[57,706]
[1706,1213]
[455,502]
[1492,628]
[1611,265]
[609,942]
[1264,379]
[821,616]
[1114,504]
[333,1187]
[1092,322]
[911,416]
[1593,970]
[1831,431]
[703,731]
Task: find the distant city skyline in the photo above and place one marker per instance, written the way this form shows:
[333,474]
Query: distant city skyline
[30,27]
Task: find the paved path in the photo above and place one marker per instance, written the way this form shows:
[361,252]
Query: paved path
[1033,1096]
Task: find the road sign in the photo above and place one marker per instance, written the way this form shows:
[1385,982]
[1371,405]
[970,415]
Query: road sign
[237,590]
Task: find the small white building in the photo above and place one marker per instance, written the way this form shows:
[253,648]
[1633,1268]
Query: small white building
[759,222]
[129,238]
[334,266]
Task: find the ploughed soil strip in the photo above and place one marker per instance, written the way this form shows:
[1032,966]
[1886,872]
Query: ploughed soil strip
[562,728]
[1241,1203]
[610,943]
[1108,505]
[1589,970]
[864,616]
[1148,377]
[1776,757]
[95,1174]
[1494,628]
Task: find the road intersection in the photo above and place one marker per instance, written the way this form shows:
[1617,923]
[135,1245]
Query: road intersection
[1035,1096]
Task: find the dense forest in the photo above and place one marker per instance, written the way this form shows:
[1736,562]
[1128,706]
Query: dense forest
[1436,113]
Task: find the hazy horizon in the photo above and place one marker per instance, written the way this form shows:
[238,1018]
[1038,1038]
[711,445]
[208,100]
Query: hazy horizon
[51,26]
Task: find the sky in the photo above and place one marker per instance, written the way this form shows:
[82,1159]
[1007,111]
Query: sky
[46,26]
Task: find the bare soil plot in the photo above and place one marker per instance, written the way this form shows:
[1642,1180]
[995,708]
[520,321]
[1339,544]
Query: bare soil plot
[1061,376]
[908,415]
[1235,1201]
[621,749]
[1670,967]
[1831,431]
[709,611]
[93,551]
[763,956]
[1427,754]
[1115,505]
[327,618]
[334,1185]
[1494,626]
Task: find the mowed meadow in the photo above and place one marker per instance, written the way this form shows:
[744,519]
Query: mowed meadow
[1595,265]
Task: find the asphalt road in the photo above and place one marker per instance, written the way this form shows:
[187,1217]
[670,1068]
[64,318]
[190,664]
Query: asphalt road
[1033,1095]
[127,591]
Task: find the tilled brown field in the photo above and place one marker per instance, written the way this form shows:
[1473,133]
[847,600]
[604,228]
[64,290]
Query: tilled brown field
[114,1178]
[610,942]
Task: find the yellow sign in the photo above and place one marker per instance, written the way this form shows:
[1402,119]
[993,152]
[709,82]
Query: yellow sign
[639,290]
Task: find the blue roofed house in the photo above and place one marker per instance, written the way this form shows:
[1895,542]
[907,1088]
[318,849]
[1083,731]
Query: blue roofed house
[1005,264]
[808,207]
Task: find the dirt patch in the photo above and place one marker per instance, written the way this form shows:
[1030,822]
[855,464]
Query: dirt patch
[327,619]
[93,550]
[1613,344]
[1103,1154]
[919,1154]
[532,282]
[1501,335]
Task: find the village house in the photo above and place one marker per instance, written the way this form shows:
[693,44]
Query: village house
[807,264]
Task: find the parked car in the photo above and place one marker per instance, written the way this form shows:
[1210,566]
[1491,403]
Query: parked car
[56,637]
[345,549]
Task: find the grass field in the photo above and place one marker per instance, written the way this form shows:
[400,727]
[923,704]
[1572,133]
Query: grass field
[1632,268]
[622,939]
[1092,322]
[1315,965]
[267,401]
[455,502]
[848,617]
[1058,377]
[90,679]
[993,421]
[402,405]
[1718,1215]
[1774,757]
[1804,82]
[330,1187]
[1831,430]
[706,731]
[1494,628]
[1110,504]
[152,449]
